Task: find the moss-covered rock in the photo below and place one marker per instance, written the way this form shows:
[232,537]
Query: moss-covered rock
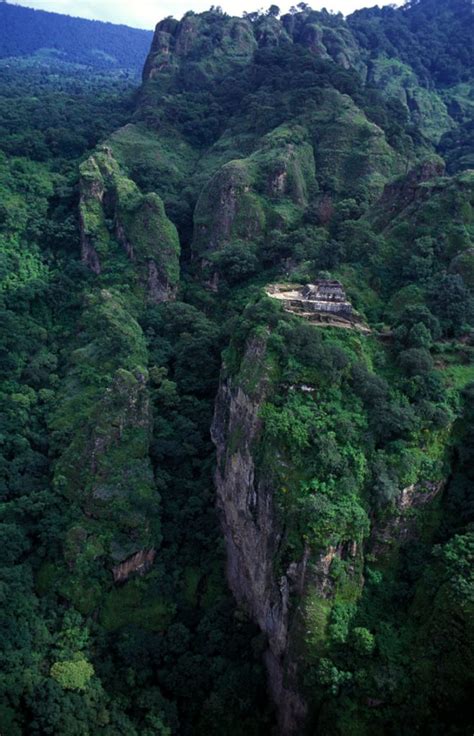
[113,212]
[246,197]
[232,42]
[102,429]
[426,108]
[352,154]
[227,208]
[303,491]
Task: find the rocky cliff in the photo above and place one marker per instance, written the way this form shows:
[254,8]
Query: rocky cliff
[271,145]
[291,484]
[253,535]
[103,427]
[269,251]
[113,212]
[282,587]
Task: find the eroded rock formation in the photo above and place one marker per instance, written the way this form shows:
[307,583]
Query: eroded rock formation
[137,564]
[252,537]
[112,212]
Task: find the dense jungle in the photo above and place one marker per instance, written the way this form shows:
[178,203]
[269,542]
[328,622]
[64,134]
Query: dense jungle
[237,375]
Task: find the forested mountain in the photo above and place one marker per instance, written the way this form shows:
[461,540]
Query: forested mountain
[237,382]
[25,32]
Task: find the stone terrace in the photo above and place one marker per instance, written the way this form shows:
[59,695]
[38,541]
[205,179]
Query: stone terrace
[323,302]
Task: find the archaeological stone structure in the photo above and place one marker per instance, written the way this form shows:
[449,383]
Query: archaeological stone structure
[322,302]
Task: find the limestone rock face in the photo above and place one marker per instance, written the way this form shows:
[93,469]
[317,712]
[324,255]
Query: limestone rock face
[287,597]
[283,593]
[92,193]
[252,536]
[352,153]
[425,108]
[233,41]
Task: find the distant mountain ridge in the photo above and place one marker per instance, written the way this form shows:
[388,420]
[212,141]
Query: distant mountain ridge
[25,32]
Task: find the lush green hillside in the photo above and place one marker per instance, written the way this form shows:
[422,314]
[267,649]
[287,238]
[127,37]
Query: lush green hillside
[49,37]
[237,378]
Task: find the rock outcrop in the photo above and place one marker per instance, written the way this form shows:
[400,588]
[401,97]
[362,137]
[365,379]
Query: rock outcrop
[113,212]
[226,209]
[408,190]
[176,41]
[290,596]
[252,537]
[401,526]
[104,422]
[247,196]
[137,564]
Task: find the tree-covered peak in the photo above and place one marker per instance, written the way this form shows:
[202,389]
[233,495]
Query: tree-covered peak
[45,37]
[433,37]
[236,379]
